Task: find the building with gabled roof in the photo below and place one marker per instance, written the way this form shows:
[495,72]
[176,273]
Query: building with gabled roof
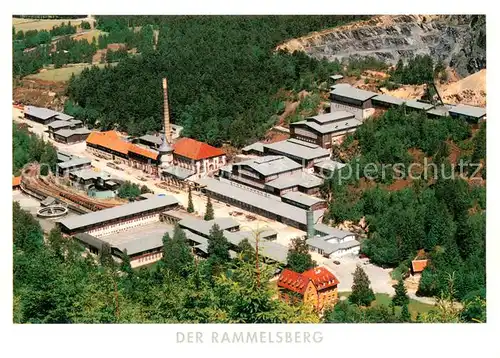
[325,130]
[344,97]
[316,287]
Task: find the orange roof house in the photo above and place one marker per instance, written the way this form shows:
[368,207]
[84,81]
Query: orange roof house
[16,181]
[192,149]
[143,151]
[317,287]
[110,140]
[417,266]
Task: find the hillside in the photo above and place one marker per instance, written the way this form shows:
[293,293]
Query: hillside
[458,40]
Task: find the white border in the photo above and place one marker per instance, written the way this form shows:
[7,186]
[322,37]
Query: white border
[338,340]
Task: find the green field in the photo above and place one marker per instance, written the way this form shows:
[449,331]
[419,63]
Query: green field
[384,299]
[63,74]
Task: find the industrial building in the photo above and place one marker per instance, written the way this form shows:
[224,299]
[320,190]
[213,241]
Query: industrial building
[119,218]
[173,162]
[344,97]
[268,207]
[304,153]
[71,136]
[73,164]
[44,115]
[469,113]
[325,130]
[331,242]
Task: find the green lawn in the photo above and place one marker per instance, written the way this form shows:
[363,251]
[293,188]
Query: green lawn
[384,299]
[64,73]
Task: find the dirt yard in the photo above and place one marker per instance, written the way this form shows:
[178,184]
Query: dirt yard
[41,24]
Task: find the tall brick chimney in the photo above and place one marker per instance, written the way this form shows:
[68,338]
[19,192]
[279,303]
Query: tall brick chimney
[166,113]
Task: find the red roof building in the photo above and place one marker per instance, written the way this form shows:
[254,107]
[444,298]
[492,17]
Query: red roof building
[194,150]
[16,181]
[317,286]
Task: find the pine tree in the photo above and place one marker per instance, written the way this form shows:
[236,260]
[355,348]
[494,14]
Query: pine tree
[218,246]
[405,314]
[361,294]
[209,210]
[246,249]
[105,257]
[298,258]
[401,297]
[190,207]
[177,254]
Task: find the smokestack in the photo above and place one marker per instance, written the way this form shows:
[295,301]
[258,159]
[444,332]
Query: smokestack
[311,232]
[166,113]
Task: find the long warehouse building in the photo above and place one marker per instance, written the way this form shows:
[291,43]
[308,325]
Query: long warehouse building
[119,218]
[258,204]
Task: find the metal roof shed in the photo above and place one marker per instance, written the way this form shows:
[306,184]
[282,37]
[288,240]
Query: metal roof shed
[468,111]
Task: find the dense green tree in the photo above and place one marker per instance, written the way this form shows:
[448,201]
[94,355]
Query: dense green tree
[218,246]
[129,190]
[28,234]
[209,210]
[247,251]
[361,294]
[298,257]
[190,207]
[105,256]
[177,255]
[400,297]
[405,314]
[125,264]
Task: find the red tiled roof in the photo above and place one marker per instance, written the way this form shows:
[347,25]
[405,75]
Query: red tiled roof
[16,181]
[110,140]
[321,277]
[195,150]
[418,265]
[143,151]
[293,281]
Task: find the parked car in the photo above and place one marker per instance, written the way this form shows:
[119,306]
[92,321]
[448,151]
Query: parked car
[336,262]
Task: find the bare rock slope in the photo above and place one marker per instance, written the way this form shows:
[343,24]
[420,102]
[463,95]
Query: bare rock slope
[457,40]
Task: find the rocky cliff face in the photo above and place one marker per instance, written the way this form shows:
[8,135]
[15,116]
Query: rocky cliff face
[457,40]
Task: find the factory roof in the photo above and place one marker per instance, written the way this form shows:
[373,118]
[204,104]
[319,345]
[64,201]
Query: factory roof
[90,240]
[469,111]
[298,149]
[327,230]
[110,140]
[179,172]
[69,132]
[59,124]
[87,174]
[441,111]
[271,164]
[330,165]
[64,117]
[74,162]
[302,198]
[412,103]
[330,117]
[257,146]
[196,150]
[331,127]
[63,156]
[302,179]
[336,77]
[329,247]
[258,201]
[102,216]
[204,227]
[152,139]
[352,92]
[74,122]
[386,98]
[38,112]
[145,152]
